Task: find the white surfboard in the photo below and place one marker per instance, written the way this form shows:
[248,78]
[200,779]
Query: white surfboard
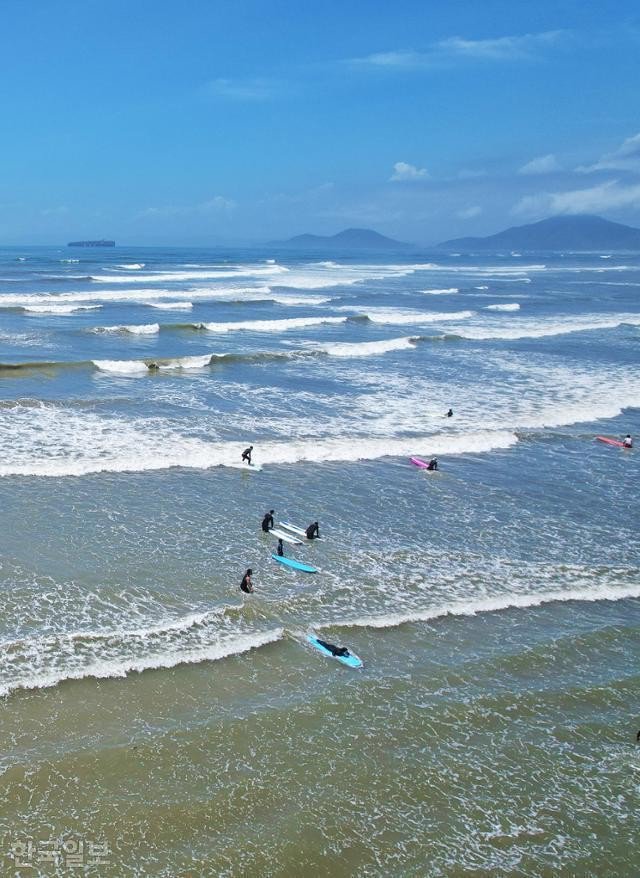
[285,537]
[300,531]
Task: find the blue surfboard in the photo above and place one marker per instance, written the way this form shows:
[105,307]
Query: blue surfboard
[351,660]
[291,562]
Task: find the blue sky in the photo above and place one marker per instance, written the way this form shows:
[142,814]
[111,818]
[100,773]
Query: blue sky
[214,122]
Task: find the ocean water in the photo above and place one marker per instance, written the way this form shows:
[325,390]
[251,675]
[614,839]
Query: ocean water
[155,721]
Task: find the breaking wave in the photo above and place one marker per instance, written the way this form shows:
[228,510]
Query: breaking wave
[440,292]
[44,661]
[132,329]
[60,310]
[487,605]
[172,306]
[367,348]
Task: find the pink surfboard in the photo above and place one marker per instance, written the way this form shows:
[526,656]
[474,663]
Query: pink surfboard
[418,461]
[615,442]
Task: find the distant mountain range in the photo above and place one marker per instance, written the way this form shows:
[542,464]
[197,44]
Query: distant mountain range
[349,239]
[556,233]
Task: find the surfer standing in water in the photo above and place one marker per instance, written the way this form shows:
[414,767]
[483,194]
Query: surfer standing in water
[246,585]
[449,414]
[267,521]
[280,549]
[313,531]
[628,441]
[246,454]
[433,464]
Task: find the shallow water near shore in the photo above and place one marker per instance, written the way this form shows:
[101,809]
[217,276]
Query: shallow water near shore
[149,707]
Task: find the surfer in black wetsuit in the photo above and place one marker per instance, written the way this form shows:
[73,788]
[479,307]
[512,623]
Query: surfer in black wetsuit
[313,531]
[280,549]
[246,585]
[246,454]
[449,414]
[433,463]
[333,649]
[267,521]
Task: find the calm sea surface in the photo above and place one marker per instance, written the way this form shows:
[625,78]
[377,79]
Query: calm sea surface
[155,721]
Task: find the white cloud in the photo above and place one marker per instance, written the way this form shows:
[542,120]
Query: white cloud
[471,174]
[501,49]
[406,173]
[55,211]
[606,196]
[625,158]
[457,49]
[217,204]
[470,212]
[546,164]
[243,89]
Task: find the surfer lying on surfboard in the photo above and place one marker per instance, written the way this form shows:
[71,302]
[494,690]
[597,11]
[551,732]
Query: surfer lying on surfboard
[340,651]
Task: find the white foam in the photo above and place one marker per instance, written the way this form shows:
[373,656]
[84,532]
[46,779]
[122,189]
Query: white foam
[197,362]
[367,348]
[319,275]
[281,325]
[549,327]
[442,292]
[57,441]
[121,367]
[70,260]
[398,317]
[132,329]
[489,605]
[508,306]
[143,295]
[180,276]
[283,299]
[60,310]
[256,294]
[172,306]
[39,663]
[132,266]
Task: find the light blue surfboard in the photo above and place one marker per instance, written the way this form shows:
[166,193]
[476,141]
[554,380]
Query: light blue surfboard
[351,660]
[291,562]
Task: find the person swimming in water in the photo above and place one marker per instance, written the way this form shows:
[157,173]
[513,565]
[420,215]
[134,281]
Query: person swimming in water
[267,521]
[449,414]
[246,454]
[628,441]
[433,464]
[246,585]
[341,651]
[280,549]
[313,531]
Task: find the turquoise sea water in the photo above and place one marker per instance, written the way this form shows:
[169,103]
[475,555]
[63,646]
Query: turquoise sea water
[149,707]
